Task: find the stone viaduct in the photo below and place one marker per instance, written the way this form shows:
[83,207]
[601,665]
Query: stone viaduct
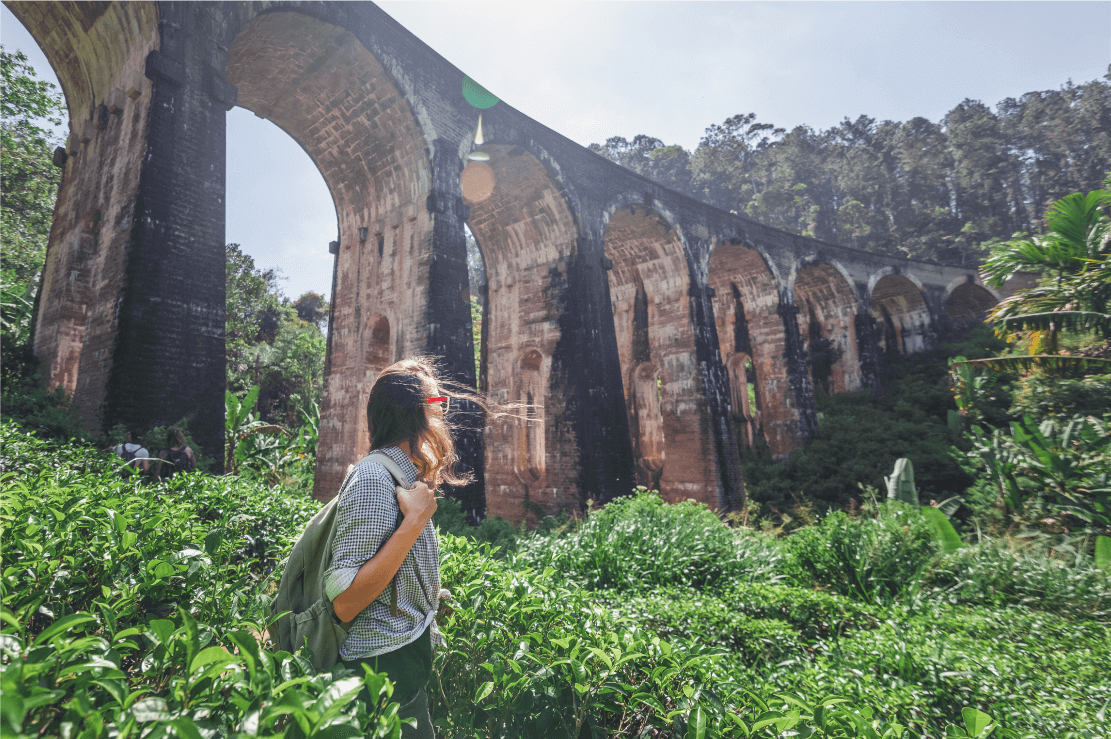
[652,333]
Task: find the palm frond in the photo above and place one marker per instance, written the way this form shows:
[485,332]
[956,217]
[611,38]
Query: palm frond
[1026,363]
[1057,320]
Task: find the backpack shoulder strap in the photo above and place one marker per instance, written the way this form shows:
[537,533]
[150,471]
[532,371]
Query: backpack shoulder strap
[399,477]
[391,466]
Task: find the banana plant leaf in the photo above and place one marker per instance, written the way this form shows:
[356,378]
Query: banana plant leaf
[1026,363]
[1057,320]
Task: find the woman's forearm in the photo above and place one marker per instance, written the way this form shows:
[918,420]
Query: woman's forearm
[375,575]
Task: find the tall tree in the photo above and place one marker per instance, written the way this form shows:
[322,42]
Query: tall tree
[723,165]
[28,178]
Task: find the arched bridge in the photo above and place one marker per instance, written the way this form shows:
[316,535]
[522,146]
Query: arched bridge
[652,333]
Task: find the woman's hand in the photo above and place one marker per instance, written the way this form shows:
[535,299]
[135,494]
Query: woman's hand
[417,502]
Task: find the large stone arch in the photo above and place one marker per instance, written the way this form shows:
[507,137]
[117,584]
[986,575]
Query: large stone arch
[901,315]
[98,52]
[746,310]
[968,303]
[670,425]
[827,308]
[320,84]
[522,220]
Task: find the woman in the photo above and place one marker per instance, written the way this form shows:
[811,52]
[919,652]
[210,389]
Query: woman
[385,576]
[178,458]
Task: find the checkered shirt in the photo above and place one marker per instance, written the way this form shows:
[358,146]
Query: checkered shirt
[365,519]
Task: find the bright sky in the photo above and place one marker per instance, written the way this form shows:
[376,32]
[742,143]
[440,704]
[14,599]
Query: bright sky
[670,69]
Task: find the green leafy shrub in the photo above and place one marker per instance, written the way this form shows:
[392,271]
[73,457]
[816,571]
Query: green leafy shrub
[133,610]
[1037,674]
[998,573]
[52,414]
[703,618]
[1061,398]
[498,532]
[640,542]
[814,613]
[871,559]
[1066,465]
[130,609]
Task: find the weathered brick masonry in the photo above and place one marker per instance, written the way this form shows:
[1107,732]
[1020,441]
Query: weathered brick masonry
[629,319]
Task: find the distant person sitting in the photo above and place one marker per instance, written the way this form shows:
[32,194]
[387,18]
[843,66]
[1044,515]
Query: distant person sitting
[178,458]
[133,454]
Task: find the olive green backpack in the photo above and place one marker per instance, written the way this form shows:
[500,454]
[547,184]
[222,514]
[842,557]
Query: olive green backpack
[307,616]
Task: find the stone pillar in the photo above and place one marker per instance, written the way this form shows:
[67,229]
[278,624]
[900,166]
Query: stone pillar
[169,360]
[868,349]
[586,368]
[715,381]
[449,318]
[132,306]
[798,370]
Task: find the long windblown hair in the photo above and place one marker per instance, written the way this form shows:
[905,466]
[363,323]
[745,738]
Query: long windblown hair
[397,411]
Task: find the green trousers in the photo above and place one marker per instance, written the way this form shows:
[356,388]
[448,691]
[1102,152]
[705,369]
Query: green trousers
[409,667]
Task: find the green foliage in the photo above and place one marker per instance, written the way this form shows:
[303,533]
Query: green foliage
[875,560]
[943,529]
[1059,398]
[860,436]
[267,452]
[28,177]
[1067,465]
[1103,553]
[52,414]
[272,343]
[1011,572]
[500,534]
[934,190]
[641,542]
[138,610]
[900,485]
[131,608]
[760,623]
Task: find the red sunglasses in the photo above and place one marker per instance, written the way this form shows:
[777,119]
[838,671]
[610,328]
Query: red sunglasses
[441,399]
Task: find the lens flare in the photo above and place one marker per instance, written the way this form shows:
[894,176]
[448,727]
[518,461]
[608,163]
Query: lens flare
[477,95]
[477,182]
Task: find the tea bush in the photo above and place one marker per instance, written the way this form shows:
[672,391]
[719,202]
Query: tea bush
[708,620]
[997,573]
[814,613]
[136,611]
[125,612]
[1039,675]
[875,560]
[640,542]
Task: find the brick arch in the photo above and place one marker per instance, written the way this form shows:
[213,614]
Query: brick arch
[746,310]
[376,355]
[530,462]
[93,47]
[318,83]
[901,312]
[521,219]
[742,375]
[967,303]
[98,52]
[649,286]
[827,306]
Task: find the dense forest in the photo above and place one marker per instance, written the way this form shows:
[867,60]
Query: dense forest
[942,191]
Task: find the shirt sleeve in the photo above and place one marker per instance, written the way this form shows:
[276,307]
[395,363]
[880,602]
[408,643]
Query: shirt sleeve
[365,520]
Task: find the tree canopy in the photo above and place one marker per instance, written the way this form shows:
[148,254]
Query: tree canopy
[926,190]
